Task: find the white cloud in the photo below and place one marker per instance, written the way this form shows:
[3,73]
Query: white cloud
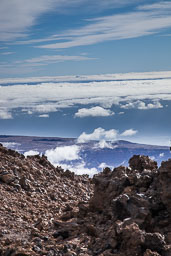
[37,63]
[98,134]
[10,144]
[142,105]
[46,108]
[31,153]
[104,165]
[44,116]
[153,105]
[7,53]
[161,155]
[93,78]
[139,23]
[104,144]
[164,5]
[49,59]
[5,114]
[65,153]
[79,168]
[17,16]
[129,132]
[45,97]
[94,111]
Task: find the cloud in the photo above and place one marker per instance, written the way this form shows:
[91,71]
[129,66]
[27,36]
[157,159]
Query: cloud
[104,144]
[44,97]
[4,114]
[104,165]
[61,156]
[31,153]
[7,53]
[129,132]
[37,63]
[93,78]
[66,153]
[10,144]
[44,116]
[18,16]
[98,134]
[94,111]
[143,21]
[48,59]
[142,105]
[46,108]
[79,168]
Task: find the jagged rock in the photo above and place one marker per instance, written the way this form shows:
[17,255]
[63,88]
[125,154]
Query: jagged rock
[48,211]
[141,163]
[164,179]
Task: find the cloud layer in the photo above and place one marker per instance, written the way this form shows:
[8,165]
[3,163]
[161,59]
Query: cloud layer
[47,97]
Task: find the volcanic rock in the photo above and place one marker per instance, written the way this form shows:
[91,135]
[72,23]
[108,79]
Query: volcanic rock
[48,211]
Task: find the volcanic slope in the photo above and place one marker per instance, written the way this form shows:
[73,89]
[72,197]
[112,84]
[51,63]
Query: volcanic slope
[48,211]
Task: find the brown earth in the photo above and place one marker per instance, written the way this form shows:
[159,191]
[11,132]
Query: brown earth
[48,211]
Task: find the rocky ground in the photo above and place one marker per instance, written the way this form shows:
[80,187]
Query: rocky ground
[48,211]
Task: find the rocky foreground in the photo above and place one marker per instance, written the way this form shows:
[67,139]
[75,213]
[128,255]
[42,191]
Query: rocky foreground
[48,211]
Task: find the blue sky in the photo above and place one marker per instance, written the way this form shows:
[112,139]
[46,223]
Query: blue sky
[84,41]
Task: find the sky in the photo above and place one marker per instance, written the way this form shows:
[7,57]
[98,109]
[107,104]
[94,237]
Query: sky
[88,69]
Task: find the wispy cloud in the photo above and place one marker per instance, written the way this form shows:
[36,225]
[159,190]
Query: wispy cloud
[129,132]
[34,64]
[7,53]
[145,20]
[46,59]
[17,16]
[93,112]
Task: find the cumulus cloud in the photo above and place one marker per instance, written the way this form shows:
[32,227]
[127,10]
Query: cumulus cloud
[129,132]
[98,134]
[31,153]
[65,153]
[105,144]
[10,144]
[60,156]
[94,111]
[80,169]
[142,105]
